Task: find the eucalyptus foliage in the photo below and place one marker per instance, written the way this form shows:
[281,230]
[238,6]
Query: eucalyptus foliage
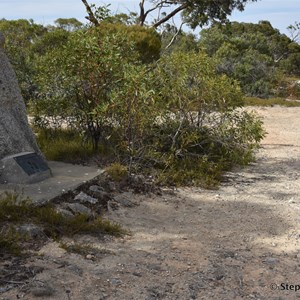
[77,80]
[257,55]
[176,116]
[203,130]
[172,115]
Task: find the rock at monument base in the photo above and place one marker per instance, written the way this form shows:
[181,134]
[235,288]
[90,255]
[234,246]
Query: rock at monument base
[24,168]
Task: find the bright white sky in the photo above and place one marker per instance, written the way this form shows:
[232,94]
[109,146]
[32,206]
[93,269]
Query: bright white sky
[280,13]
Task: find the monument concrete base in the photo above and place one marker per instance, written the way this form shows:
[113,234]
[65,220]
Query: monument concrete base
[25,167]
[66,177]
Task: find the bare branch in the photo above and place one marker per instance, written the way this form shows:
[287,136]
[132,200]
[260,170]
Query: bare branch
[276,60]
[170,15]
[143,14]
[91,17]
[174,36]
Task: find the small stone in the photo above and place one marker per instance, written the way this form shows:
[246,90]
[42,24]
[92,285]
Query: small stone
[77,208]
[75,269]
[84,198]
[112,186]
[156,267]
[64,212]
[42,290]
[96,188]
[138,179]
[116,281]
[100,193]
[219,273]
[271,260]
[112,205]
[125,199]
[219,276]
[32,230]
[90,256]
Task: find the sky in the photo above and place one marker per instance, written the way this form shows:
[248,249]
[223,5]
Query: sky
[280,13]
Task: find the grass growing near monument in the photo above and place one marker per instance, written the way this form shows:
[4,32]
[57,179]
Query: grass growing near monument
[10,240]
[63,145]
[117,171]
[15,212]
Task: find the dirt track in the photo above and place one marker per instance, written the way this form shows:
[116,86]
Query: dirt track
[239,242]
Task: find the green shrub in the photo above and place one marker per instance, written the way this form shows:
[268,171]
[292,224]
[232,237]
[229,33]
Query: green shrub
[76,82]
[202,132]
[191,171]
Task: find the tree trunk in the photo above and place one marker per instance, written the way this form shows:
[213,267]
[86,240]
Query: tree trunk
[91,16]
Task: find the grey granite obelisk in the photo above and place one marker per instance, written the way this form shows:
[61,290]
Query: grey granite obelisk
[19,151]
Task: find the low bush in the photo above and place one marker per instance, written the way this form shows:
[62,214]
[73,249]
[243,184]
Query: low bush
[117,171]
[202,130]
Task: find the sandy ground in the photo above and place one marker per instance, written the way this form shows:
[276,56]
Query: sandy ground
[239,242]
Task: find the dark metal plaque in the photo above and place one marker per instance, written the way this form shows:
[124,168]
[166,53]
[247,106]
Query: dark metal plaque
[31,163]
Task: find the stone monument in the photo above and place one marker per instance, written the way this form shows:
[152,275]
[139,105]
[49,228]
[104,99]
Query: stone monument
[21,160]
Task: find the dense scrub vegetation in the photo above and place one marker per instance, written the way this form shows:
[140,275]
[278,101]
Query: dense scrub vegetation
[256,55]
[163,103]
[264,61]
